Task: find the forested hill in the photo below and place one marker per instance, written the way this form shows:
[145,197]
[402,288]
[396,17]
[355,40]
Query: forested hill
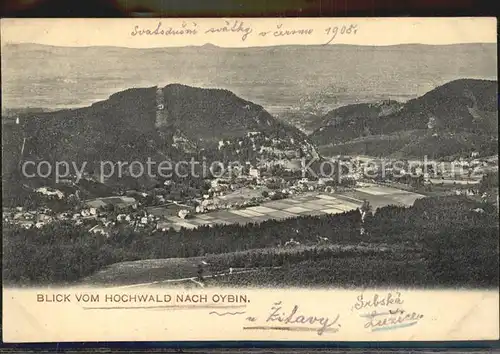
[454,118]
[216,114]
[126,126]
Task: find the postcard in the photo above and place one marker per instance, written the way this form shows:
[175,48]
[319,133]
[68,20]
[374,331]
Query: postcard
[250,179]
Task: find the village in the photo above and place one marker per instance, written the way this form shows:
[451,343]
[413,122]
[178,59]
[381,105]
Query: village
[237,199]
[149,209]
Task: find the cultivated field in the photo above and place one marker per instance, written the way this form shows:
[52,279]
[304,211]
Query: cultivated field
[242,194]
[312,203]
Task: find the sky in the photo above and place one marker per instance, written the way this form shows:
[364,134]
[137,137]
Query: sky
[248,32]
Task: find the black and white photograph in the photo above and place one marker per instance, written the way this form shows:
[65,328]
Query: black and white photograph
[207,156]
[328,165]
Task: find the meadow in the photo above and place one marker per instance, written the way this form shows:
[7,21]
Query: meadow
[440,241]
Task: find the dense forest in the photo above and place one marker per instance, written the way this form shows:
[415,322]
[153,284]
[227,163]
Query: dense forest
[452,120]
[125,127]
[455,241]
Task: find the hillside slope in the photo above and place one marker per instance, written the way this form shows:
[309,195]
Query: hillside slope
[126,126]
[456,118]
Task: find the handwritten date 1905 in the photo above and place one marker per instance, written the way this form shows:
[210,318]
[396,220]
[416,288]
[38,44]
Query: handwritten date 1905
[333,31]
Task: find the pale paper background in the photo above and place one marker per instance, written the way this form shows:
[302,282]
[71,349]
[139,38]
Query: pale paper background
[448,315]
[371,31]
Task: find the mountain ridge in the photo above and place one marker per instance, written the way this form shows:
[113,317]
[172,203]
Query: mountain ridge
[126,126]
[458,111]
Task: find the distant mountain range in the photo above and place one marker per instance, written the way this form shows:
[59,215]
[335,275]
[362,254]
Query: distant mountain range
[456,118]
[308,79]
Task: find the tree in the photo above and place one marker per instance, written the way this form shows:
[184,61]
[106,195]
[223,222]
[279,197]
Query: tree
[489,181]
[366,208]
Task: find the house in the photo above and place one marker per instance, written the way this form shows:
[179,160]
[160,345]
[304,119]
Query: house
[160,199]
[109,223]
[292,243]
[253,172]
[43,218]
[64,216]
[39,225]
[46,191]
[26,224]
[324,180]
[98,229]
[163,226]
[329,189]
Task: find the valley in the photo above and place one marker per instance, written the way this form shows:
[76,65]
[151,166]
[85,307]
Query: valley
[411,170]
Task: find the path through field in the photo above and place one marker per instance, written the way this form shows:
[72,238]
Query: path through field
[193,280]
[183,271]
